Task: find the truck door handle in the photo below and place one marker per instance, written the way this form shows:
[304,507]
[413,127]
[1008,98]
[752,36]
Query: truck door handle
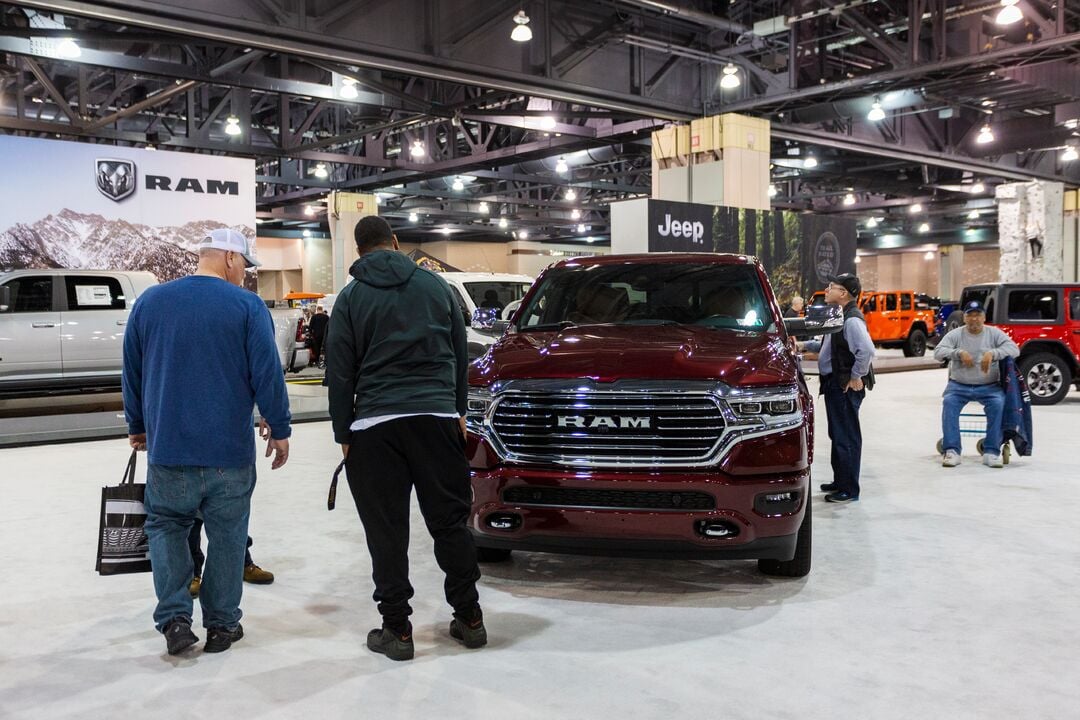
[121,322]
[44,325]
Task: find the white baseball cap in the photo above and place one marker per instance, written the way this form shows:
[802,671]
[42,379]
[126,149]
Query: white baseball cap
[231,241]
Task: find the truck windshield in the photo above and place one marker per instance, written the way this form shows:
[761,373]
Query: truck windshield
[719,296]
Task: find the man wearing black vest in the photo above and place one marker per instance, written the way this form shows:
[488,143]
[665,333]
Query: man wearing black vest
[845,374]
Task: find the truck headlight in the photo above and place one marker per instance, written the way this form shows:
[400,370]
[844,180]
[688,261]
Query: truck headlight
[771,407]
[479,403]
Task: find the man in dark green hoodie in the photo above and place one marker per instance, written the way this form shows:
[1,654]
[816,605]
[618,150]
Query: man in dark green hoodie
[396,369]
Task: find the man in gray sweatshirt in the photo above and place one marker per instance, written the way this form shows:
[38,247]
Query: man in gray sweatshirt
[973,352]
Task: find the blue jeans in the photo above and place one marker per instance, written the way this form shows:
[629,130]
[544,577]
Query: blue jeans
[956,396]
[845,432]
[175,495]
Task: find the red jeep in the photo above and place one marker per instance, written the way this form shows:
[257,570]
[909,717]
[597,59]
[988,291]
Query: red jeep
[646,404]
[1044,320]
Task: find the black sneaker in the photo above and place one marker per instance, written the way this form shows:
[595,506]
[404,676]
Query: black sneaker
[219,639]
[841,497]
[472,634]
[396,646]
[178,635]
[828,487]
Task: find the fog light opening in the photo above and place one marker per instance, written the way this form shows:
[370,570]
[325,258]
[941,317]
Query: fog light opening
[716,528]
[507,522]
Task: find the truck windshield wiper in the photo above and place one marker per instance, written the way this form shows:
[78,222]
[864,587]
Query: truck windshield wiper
[561,325]
[648,321]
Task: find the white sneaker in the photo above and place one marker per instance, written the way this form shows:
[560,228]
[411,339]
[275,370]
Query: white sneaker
[950,459]
[993,461]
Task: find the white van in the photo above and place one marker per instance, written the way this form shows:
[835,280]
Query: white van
[493,291]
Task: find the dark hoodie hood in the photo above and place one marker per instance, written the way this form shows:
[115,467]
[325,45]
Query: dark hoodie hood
[383,269]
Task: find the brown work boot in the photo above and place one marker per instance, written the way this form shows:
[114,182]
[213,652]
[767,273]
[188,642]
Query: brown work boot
[257,576]
[195,586]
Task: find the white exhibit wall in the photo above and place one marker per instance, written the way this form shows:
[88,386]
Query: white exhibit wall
[630,226]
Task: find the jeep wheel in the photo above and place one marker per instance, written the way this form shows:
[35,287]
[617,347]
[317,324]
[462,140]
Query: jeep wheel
[491,555]
[915,345]
[798,566]
[1047,376]
[955,320]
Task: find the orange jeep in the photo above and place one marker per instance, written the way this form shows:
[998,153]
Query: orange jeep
[894,319]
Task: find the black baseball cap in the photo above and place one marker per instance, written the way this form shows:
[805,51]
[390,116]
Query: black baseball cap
[974,306]
[849,282]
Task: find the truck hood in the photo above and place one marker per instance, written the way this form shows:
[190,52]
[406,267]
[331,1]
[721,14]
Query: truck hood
[606,353]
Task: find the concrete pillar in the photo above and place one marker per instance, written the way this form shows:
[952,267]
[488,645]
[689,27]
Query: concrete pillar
[1030,232]
[345,210]
[1071,237]
[951,272]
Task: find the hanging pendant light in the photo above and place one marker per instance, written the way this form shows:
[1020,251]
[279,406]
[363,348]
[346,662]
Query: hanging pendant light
[986,135]
[731,80]
[876,113]
[232,125]
[521,32]
[1009,13]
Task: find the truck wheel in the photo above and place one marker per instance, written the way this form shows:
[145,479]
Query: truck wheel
[955,320]
[1047,376]
[798,566]
[915,345]
[491,555]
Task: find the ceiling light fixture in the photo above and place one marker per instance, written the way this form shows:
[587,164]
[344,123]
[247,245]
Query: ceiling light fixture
[417,149]
[348,88]
[232,125]
[977,189]
[571,194]
[1070,154]
[309,210]
[929,255]
[321,172]
[924,228]
[858,259]
[849,199]
[458,184]
[561,167]
[772,191]
[810,162]
[547,123]
[502,223]
[445,231]
[915,208]
[523,235]
[731,80]
[575,214]
[1009,13]
[986,135]
[876,114]
[871,223]
[68,48]
[521,32]
[484,207]
[413,217]
[973,215]
[581,228]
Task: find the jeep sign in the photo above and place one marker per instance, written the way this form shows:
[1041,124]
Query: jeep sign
[680,227]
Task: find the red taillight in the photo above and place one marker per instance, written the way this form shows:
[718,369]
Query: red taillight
[300,330]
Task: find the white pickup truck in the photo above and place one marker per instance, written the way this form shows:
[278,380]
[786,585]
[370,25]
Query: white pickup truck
[63,330]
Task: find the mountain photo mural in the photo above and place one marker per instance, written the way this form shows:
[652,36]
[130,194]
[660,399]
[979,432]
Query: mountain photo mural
[69,239]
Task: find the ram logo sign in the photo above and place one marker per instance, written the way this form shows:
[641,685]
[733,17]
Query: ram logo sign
[115,178]
[604,421]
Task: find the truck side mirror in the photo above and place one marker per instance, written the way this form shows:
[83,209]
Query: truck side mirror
[5,299]
[819,320]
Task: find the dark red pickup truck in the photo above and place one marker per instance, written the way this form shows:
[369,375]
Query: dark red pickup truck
[646,405]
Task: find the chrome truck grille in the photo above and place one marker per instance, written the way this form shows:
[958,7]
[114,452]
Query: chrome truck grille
[608,428]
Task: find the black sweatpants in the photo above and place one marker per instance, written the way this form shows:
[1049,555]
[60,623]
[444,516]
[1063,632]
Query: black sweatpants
[385,463]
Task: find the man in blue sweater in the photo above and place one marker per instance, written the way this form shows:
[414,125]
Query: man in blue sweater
[199,354]
[396,368]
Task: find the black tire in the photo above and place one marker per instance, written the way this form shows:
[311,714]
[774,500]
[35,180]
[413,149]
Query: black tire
[798,566]
[1048,377]
[979,446]
[492,555]
[955,320]
[915,345]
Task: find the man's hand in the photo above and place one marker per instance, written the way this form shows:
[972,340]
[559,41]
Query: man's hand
[987,358]
[137,442]
[264,429]
[345,451]
[280,448]
[461,424]
[966,360]
[810,356]
[855,384]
